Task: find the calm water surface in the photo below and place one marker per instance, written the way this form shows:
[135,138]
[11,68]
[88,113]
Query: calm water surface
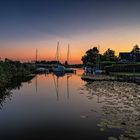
[69,108]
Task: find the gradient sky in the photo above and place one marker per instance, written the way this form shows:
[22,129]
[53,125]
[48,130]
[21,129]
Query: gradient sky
[29,24]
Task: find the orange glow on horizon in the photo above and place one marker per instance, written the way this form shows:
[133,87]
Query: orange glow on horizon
[28,53]
[118,39]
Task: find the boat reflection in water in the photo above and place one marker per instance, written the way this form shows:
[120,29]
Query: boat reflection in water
[56,77]
[62,106]
[56,84]
[59,73]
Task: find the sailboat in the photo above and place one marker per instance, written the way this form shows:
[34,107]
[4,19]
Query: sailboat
[59,68]
[69,70]
[39,67]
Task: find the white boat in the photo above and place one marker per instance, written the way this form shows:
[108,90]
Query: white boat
[69,70]
[98,71]
[42,70]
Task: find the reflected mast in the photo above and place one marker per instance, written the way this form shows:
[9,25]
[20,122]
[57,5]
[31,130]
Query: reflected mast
[56,84]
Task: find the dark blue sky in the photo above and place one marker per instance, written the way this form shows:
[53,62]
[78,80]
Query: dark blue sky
[31,19]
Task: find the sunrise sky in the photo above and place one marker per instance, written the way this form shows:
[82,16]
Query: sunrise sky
[29,24]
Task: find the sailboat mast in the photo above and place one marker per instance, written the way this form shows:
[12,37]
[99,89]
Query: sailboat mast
[68,54]
[36,56]
[57,52]
[56,87]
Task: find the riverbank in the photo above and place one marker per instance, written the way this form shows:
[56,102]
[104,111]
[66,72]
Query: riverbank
[125,77]
[90,77]
[13,70]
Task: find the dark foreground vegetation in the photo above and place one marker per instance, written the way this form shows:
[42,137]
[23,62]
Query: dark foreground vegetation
[12,74]
[11,70]
[14,83]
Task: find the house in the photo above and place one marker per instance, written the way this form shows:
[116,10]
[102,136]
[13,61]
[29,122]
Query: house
[136,56]
[129,57]
[125,56]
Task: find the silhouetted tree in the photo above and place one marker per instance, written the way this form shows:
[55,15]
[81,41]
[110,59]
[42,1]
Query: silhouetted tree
[90,56]
[135,49]
[109,55]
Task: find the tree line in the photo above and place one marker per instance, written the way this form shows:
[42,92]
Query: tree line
[92,56]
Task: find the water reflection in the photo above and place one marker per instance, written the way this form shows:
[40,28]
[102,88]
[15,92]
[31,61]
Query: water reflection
[3,95]
[16,83]
[68,90]
[120,107]
[59,74]
[36,83]
[109,110]
[57,83]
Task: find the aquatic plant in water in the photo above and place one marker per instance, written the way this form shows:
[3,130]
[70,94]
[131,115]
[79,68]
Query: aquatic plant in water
[120,105]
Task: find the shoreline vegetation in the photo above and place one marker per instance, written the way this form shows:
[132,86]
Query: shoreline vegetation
[113,67]
[125,67]
[12,71]
[12,75]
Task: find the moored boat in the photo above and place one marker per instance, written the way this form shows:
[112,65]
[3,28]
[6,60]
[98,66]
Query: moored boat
[70,70]
[59,68]
[42,70]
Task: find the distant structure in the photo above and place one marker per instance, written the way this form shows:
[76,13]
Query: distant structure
[129,56]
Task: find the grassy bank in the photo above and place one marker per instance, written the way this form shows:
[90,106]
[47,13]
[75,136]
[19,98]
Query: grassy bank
[125,68]
[10,70]
[126,76]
